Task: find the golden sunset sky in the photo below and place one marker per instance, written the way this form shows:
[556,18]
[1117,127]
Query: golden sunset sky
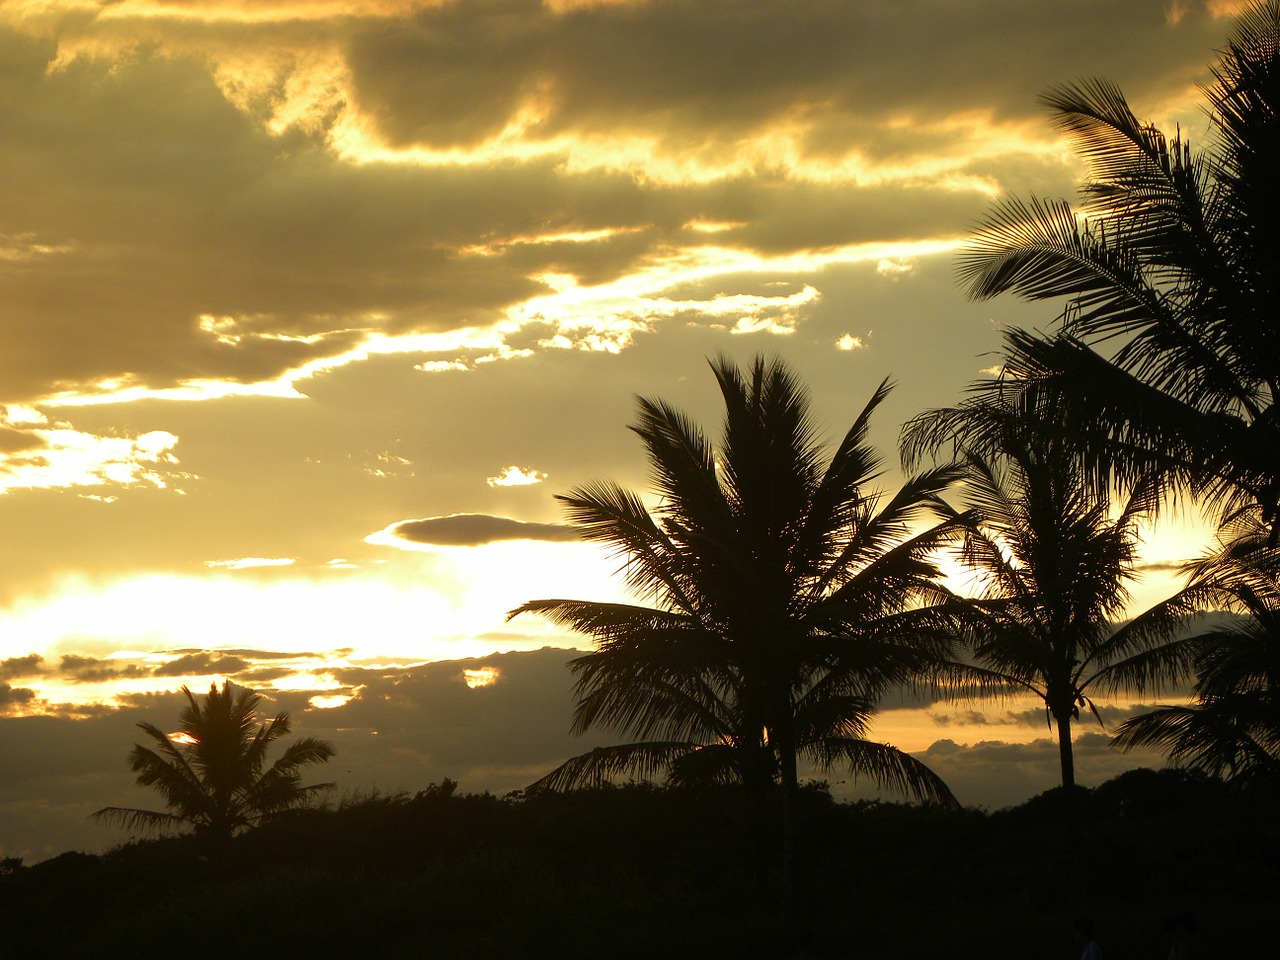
[309,307]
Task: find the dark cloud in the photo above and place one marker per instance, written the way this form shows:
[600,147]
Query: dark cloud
[472,529]
[95,670]
[264,675]
[16,441]
[1036,717]
[969,718]
[14,667]
[700,74]
[12,697]
[159,201]
[1161,566]
[224,663]
[202,664]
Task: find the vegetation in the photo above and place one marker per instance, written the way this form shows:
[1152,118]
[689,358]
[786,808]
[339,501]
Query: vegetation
[1232,730]
[1166,368]
[210,773]
[1167,361]
[633,871]
[1051,567]
[789,599]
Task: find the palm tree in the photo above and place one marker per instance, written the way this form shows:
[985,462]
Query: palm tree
[1052,566]
[1232,729]
[784,599]
[210,773]
[1168,354]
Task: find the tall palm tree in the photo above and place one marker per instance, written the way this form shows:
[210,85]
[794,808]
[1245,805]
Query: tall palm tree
[1052,560]
[1232,729]
[780,599]
[1168,353]
[210,773]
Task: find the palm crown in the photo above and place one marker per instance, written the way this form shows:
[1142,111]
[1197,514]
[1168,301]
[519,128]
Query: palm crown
[211,773]
[1052,560]
[786,597]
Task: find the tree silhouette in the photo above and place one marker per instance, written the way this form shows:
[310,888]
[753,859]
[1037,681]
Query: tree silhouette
[1052,566]
[211,773]
[1168,356]
[787,599]
[1232,730]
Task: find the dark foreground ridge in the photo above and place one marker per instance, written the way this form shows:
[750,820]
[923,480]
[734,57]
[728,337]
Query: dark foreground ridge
[647,872]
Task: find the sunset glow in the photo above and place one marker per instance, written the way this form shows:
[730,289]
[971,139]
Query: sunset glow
[312,307]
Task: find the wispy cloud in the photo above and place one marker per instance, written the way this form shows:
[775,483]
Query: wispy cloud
[248,563]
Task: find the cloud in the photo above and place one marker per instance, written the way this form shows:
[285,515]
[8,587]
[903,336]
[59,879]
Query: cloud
[247,563]
[12,698]
[968,718]
[87,670]
[998,774]
[689,76]
[14,667]
[83,669]
[469,530]
[36,452]
[248,201]
[514,476]
[202,664]
[1162,566]
[253,654]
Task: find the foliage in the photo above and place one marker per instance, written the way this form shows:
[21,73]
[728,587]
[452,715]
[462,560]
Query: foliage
[211,773]
[1051,566]
[1166,367]
[1232,729]
[1168,356]
[628,872]
[787,599]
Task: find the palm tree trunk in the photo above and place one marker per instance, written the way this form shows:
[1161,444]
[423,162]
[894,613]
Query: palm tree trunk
[1065,756]
[790,788]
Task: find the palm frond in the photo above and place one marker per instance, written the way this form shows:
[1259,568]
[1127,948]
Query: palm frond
[141,821]
[602,765]
[889,767]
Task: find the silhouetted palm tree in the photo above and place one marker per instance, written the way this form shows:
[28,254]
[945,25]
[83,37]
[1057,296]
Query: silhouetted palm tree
[786,600]
[1232,730]
[211,773]
[1168,355]
[1051,567]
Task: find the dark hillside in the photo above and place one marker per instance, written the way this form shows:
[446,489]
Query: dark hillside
[643,872]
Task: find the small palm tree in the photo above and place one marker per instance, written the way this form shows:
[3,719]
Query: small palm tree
[1232,729]
[1052,566]
[211,774]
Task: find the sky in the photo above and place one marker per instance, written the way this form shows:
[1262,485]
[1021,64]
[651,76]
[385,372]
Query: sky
[310,307]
